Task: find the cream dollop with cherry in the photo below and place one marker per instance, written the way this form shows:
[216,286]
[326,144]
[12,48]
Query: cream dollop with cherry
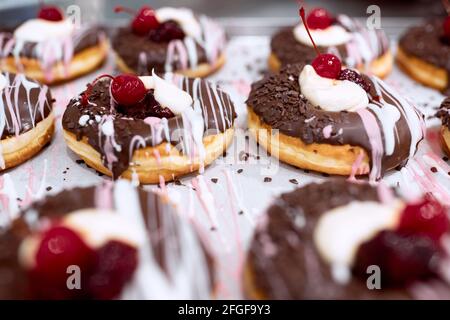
[128,89]
[331,94]
[322,29]
[327,86]
[102,243]
[403,240]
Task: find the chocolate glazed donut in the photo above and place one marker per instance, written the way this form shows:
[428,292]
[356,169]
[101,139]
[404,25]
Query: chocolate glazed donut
[81,53]
[139,54]
[424,53]
[26,119]
[276,102]
[367,51]
[444,114]
[162,260]
[285,262]
[171,144]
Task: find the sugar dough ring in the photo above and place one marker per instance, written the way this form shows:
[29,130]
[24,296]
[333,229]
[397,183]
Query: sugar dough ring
[134,212]
[158,158]
[423,54]
[287,49]
[30,125]
[286,257]
[139,54]
[89,52]
[293,130]
[444,114]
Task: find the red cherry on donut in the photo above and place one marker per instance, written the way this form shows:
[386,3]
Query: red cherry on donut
[326,65]
[50,13]
[427,217]
[59,248]
[319,18]
[126,89]
[144,20]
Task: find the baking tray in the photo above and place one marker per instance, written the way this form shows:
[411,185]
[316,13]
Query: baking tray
[245,180]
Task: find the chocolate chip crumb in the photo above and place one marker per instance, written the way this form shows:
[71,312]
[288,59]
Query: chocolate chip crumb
[48,188]
[241,212]
[433,169]
[240,170]
[294,181]
[213,229]
[267,179]
[445,158]
[214,180]
[79,161]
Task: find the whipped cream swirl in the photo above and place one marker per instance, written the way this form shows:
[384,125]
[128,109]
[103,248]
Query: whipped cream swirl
[334,35]
[331,94]
[40,30]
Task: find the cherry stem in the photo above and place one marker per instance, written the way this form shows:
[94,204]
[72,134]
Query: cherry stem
[87,93]
[302,15]
[119,9]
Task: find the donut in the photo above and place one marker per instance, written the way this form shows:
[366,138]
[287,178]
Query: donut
[424,52]
[177,125]
[26,118]
[341,240]
[444,114]
[52,49]
[175,40]
[325,127]
[357,47]
[127,243]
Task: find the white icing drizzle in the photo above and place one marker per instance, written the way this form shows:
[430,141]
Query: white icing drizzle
[380,120]
[364,45]
[10,110]
[187,275]
[182,55]
[54,42]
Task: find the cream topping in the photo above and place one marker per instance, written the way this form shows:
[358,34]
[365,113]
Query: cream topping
[340,231]
[331,94]
[40,30]
[167,93]
[334,35]
[185,18]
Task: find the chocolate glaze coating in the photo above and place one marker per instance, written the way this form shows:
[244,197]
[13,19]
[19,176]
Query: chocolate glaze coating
[218,115]
[84,39]
[13,279]
[289,50]
[278,101]
[427,42]
[444,112]
[294,269]
[22,117]
[130,46]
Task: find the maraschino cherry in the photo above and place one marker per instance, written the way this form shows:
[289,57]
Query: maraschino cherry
[50,13]
[428,217]
[104,270]
[326,65]
[144,20]
[126,89]
[59,248]
[319,18]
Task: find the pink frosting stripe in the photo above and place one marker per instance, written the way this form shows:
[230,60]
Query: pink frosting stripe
[376,141]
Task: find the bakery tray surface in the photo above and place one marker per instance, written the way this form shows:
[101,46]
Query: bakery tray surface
[238,180]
